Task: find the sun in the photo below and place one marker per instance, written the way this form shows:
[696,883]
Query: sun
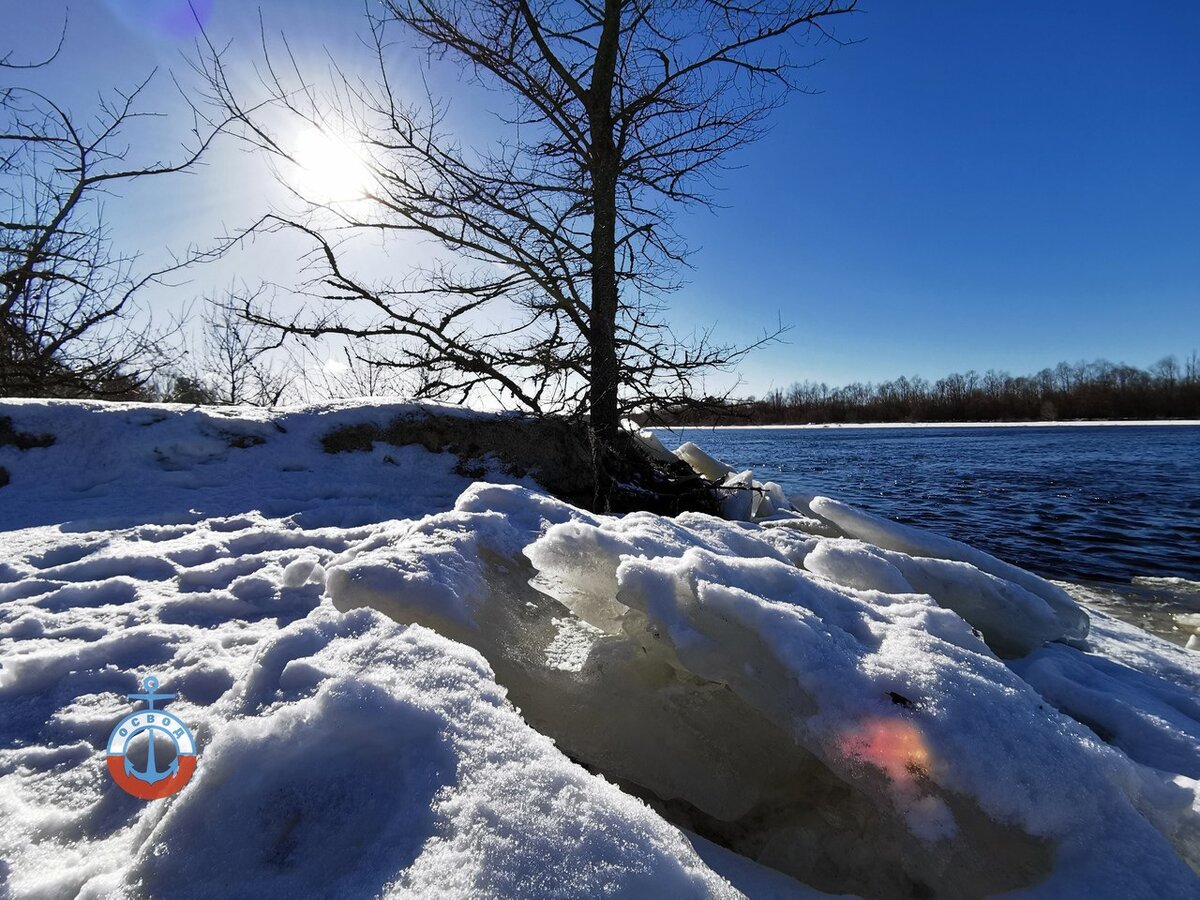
[329,169]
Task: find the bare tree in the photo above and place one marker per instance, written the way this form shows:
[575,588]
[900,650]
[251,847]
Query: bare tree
[353,373]
[616,112]
[1166,370]
[66,294]
[237,361]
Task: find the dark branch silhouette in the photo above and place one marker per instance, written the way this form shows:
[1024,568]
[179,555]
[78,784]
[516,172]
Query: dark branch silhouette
[66,294]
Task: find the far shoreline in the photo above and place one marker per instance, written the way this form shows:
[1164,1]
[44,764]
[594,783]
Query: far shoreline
[1069,423]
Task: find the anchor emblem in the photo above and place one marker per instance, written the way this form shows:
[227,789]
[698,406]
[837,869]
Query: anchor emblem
[151,782]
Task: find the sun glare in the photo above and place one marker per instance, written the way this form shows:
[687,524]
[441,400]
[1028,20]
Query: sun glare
[329,168]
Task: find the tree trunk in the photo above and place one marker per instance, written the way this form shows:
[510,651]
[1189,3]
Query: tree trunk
[604,374]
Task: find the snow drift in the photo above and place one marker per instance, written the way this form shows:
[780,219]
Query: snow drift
[404,683]
[855,738]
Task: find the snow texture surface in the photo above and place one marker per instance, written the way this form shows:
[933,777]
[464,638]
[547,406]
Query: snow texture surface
[407,684]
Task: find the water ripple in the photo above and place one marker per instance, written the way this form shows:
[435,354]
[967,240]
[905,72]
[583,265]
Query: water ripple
[1098,503]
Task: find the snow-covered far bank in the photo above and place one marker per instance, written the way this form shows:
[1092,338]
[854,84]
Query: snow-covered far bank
[1068,423]
[406,679]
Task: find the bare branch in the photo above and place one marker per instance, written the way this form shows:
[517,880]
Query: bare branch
[66,295]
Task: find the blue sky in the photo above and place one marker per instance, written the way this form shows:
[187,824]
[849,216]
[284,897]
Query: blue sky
[977,185]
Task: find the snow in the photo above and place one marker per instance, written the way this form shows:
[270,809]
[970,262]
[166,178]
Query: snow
[117,465]
[395,746]
[403,682]
[1142,696]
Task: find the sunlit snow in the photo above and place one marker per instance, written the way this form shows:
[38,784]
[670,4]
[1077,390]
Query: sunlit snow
[404,682]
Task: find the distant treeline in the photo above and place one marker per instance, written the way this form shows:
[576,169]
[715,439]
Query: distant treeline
[1087,390]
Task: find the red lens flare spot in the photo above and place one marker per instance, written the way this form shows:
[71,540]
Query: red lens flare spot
[895,746]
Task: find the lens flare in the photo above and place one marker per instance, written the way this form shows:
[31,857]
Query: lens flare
[164,18]
[895,746]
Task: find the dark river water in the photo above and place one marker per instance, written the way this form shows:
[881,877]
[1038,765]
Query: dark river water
[1103,504]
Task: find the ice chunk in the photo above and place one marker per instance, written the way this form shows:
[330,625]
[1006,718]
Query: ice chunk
[774,495]
[528,511]
[649,442]
[701,463]
[577,561]
[793,545]
[570,648]
[763,507]
[425,571]
[856,565]
[788,518]
[738,497]
[1013,620]
[778,497]
[916,542]
[802,503]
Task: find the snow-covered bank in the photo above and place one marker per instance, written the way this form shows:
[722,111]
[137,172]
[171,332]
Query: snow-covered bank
[113,465]
[863,707]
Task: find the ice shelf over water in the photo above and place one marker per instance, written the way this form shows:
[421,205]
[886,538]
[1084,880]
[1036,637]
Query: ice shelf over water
[407,683]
